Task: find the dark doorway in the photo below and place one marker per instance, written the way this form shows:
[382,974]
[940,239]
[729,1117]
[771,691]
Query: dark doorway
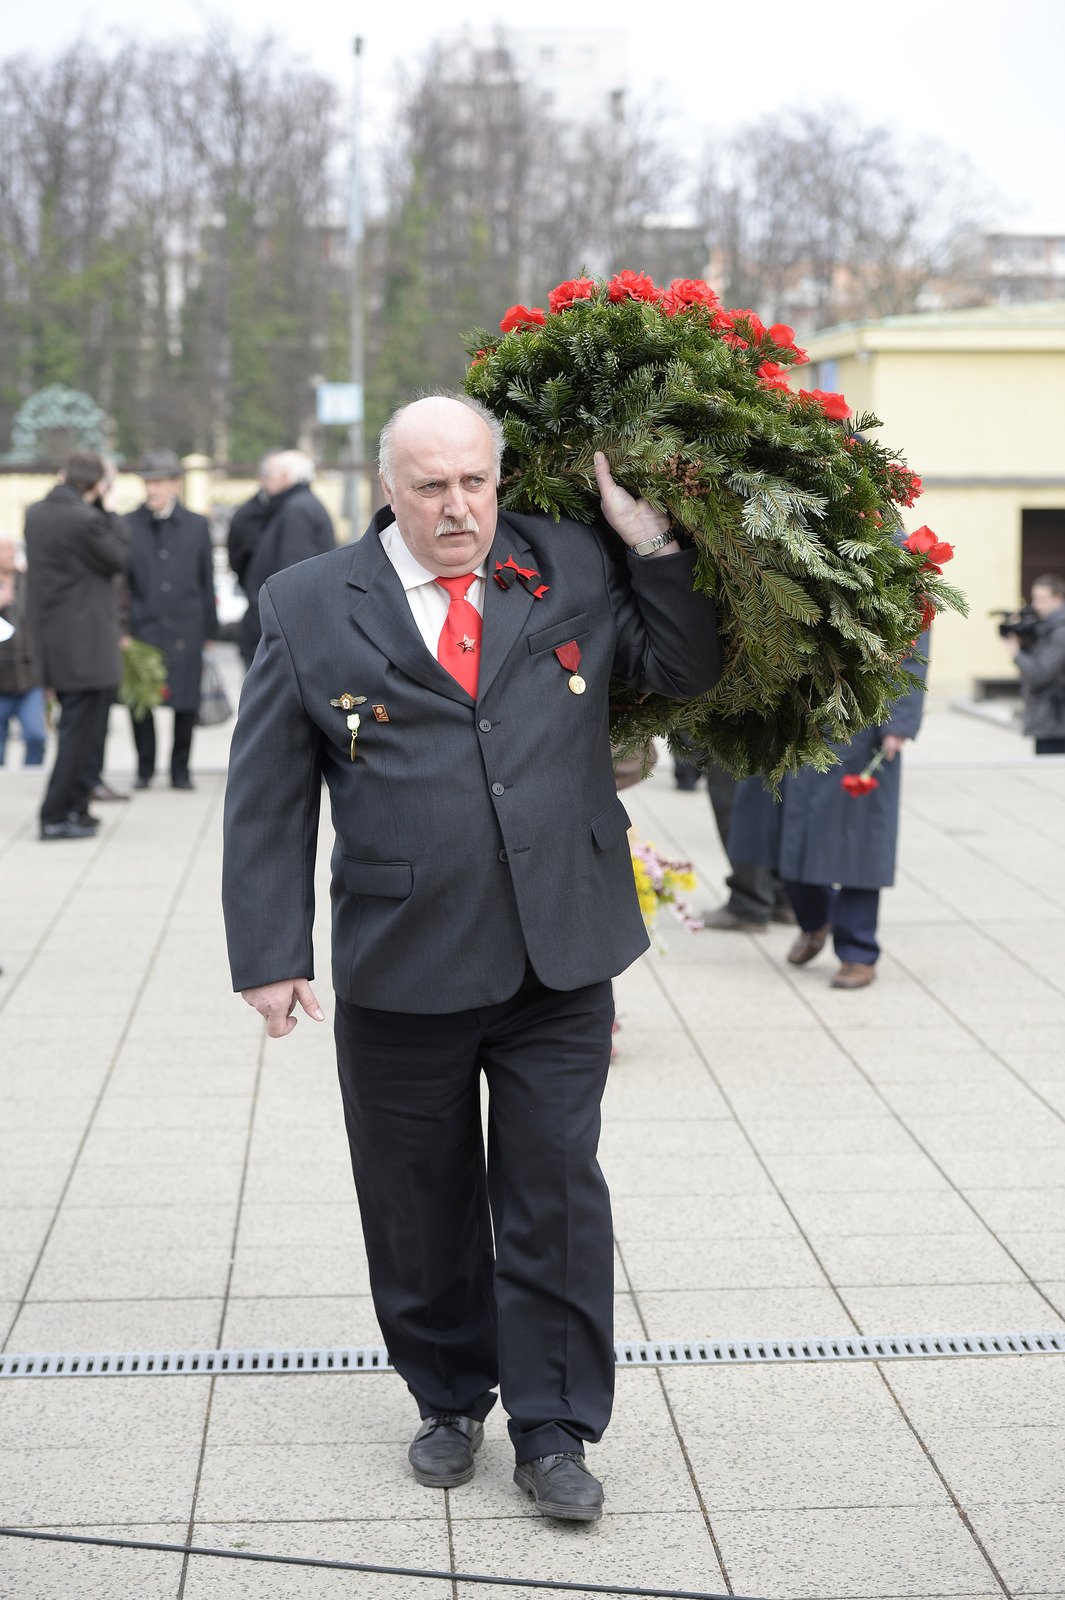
[1042,546]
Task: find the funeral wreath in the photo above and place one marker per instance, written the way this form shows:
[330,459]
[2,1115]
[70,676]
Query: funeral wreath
[791,504]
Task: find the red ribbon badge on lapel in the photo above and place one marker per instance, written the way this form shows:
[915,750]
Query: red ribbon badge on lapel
[569,658]
[507,571]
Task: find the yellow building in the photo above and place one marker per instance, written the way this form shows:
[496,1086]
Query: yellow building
[976,401]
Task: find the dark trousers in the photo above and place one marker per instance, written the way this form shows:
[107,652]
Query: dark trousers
[1050,747]
[80,751]
[754,889]
[144,739]
[534,1315]
[851,912]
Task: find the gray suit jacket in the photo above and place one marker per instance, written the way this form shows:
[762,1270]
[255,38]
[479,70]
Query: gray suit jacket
[467,836]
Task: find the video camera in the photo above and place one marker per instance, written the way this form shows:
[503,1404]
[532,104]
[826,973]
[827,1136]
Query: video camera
[1019,624]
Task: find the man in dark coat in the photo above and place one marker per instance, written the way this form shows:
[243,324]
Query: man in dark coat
[21,694]
[834,850]
[172,606]
[1041,664]
[292,526]
[448,676]
[75,545]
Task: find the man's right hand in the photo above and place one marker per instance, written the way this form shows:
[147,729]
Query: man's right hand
[276,1002]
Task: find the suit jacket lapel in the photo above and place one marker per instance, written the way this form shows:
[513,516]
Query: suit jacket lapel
[382,612]
[506,611]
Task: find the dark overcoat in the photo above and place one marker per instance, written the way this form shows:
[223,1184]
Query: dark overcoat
[171,593]
[297,526]
[817,832]
[73,552]
[470,836]
[1041,665]
[19,670]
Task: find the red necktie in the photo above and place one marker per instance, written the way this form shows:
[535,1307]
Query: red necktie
[459,648]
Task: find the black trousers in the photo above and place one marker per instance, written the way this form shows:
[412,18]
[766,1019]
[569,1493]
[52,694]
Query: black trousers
[144,739]
[534,1314]
[755,891]
[80,751]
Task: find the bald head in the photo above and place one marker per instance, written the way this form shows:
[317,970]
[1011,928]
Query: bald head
[439,460]
[448,414]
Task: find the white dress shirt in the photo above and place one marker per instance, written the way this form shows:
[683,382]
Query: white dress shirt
[427,600]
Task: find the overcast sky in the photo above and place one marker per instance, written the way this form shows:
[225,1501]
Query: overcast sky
[985,76]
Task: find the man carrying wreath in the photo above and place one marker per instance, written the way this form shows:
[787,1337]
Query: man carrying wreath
[448,678]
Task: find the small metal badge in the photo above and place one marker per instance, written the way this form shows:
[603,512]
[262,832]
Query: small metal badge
[380,713]
[577,684]
[348,702]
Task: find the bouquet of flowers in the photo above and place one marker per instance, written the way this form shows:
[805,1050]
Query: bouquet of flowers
[662,882]
[143,685]
[792,508]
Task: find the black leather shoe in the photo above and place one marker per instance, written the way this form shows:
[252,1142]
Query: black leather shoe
[562,1486]
[104,792]
[726,921]
[182,781]
[443,1449]
[69,828]
[141,782]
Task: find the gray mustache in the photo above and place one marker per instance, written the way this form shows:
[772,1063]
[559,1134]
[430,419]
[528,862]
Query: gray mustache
[466,524]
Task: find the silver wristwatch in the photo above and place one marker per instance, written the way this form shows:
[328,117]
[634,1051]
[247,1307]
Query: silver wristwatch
[647,547]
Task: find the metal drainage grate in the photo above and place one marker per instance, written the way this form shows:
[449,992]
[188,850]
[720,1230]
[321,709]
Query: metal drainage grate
[628,1353]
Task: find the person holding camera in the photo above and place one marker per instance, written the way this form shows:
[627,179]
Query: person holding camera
[1040,660]
[75,545]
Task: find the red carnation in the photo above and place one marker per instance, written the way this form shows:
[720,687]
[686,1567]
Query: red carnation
[567,294]
[683,293]
[773,375]
[833,405]
[859,783]
[783,336]
[519,317]
[629,285]
[476,360]
[923,542]
[734,341]
[755,325]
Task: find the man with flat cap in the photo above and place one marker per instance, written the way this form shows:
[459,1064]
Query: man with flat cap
[172,606]
[449,679]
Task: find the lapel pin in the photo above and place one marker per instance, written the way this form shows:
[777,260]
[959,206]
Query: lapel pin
[353,723]
[380,713]
[348,702]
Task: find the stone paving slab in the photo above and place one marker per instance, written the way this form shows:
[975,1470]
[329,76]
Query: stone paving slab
[786,1161]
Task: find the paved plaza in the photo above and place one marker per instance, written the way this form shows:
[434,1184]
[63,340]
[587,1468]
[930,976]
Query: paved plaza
[785,1161]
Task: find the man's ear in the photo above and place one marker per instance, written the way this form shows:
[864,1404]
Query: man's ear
[386,491]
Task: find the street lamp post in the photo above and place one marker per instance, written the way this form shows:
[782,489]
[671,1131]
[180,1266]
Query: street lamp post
[356,235]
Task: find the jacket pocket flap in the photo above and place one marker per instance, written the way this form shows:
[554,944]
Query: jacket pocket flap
[610,825]
[391,880]
[558,633]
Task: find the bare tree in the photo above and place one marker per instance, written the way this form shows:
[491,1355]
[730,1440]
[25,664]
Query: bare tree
[167,238]
[815,218]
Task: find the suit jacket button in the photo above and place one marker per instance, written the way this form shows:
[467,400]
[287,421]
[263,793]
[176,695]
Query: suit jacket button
[503,856]
[499,788]
[484,725]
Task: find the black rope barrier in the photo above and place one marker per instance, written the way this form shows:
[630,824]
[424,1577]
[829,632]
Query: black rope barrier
[323,1562]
